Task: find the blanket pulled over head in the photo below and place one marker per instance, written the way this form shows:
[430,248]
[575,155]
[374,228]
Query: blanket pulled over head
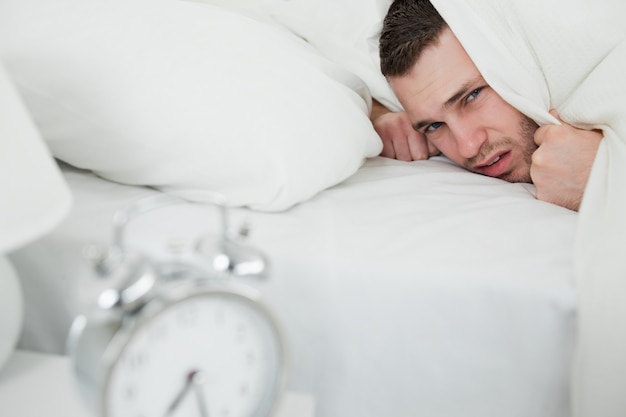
[570,55]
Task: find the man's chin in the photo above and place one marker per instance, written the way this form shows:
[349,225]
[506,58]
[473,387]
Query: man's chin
[517,176]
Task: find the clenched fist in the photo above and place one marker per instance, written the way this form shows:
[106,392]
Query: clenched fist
[561,165]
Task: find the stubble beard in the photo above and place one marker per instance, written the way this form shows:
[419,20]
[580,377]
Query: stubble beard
[527,129]
[526,145]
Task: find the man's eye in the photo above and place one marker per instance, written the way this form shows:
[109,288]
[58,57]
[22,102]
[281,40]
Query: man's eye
[473,94]
[433,126]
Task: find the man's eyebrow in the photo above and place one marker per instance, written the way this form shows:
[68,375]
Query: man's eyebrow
[417,126]
[461,92]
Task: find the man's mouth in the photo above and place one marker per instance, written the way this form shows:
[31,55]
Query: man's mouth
[494,161]
[495,166]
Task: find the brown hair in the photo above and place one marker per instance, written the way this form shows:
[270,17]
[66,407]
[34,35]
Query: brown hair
[409,27]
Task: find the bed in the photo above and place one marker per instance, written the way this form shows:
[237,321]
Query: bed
[403,288]
[453,301]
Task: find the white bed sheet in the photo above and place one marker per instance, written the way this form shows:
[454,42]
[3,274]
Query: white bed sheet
[411,289]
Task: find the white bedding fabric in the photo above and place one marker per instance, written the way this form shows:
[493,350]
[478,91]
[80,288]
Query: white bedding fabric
[346,32]
[411,289]
[186,97]
[571,56]
[34,195]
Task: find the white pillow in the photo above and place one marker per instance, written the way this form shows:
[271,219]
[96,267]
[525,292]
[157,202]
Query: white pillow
[186,97]
[345,31]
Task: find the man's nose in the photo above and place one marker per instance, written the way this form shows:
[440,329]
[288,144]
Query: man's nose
[469,137]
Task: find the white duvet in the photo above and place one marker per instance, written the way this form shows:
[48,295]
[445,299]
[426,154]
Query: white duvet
[570,55]
[411,289]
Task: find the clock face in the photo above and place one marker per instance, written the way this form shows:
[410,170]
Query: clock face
[213,353]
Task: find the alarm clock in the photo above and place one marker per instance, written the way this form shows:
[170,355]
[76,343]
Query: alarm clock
[180,335]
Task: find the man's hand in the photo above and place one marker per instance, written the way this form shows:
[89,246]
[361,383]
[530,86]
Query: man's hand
[561,165]
[400,140]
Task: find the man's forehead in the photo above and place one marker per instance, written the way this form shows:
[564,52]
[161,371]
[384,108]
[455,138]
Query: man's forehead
[438,78]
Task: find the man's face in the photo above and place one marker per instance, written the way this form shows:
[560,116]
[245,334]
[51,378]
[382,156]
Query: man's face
[449,102]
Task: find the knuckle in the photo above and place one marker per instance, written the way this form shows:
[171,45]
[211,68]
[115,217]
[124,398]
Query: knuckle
[420,156]
[419,149]
[388,151]
[537,159]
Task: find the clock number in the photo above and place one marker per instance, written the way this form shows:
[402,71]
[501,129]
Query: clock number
[158,332]
[250,359]
[244,389]
[241,332]
[219,316]
[134,361]
[187,315]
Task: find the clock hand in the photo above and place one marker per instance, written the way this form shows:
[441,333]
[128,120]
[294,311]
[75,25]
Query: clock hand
[198,380]
[195,380]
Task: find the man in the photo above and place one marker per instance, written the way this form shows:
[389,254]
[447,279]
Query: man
[478,84]
[450,108]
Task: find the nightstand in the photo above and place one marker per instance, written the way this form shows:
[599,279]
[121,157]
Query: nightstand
[35,384]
